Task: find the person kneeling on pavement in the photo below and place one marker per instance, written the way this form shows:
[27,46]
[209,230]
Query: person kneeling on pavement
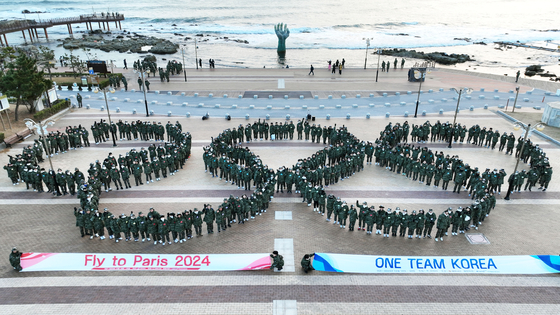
[15,256]
[306,263]
[277,261]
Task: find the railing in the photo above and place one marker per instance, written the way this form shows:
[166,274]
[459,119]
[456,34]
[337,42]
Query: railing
[27,24]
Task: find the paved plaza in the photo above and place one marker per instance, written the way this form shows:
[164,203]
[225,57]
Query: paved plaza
[524,225]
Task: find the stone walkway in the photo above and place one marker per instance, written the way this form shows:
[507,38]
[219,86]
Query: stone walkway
[525,225]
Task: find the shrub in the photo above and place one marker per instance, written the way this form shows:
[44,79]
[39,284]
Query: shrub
[55,108]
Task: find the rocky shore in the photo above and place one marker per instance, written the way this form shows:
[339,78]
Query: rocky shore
[439,57]
[128,43]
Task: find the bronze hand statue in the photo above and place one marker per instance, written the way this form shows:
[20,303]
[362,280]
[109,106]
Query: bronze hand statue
[282,32]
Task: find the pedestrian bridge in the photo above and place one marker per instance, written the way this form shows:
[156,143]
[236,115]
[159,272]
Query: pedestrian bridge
[31,26]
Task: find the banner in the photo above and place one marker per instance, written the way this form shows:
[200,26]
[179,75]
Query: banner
[103,262]
[437,264]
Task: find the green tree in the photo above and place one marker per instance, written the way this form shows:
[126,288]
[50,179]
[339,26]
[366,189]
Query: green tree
[45,59]
[24,82]
[6,56]
[77,65]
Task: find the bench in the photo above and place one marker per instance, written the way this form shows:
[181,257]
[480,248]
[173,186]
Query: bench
[18,136]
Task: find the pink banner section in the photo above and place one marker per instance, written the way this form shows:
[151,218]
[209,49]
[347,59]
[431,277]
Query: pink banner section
[175,262]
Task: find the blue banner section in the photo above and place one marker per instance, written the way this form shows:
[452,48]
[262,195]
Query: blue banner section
[537,264]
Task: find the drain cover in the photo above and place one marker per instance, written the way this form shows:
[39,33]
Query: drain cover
[477,238]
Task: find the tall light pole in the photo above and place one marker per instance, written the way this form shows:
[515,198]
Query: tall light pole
[196,54]
[527,129]
[108,114]
[422,72]
[515,102]
[41,128]
[367,47]
[184,65]
[378,57]
[466,90]
[141,70]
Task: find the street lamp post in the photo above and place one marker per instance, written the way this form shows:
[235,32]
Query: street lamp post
[141,70]
[527,129]
[367,47]
[108,114]
[184,65]
[515,102]
[468,91]
[422,72]
[378,57]
[41,128]
[196,54]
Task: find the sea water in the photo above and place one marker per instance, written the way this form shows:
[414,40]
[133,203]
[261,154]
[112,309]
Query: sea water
[320,30]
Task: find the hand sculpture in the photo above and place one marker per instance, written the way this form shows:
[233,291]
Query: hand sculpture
[282,32]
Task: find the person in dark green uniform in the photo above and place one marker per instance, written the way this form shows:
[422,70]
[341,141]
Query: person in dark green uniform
[306,263]
[429,223]
[197,221]
[79,98]
[15,259]
[442,225]
[352,215]
[277,261]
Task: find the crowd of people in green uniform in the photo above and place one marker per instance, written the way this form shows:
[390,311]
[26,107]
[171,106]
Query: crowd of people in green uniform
[171,227]
[137,130]
[393,152]
[154,163]
[173,67]
[416,224]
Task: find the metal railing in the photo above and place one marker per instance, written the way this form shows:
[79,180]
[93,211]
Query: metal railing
[15,26]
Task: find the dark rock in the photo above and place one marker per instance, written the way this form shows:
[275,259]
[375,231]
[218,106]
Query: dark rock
[199,35]
[173,24]
[480,43]
[439,57]
[159,46]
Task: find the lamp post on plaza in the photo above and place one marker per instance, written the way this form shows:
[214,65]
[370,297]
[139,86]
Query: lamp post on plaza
[367,47]
[196,54]
[41,128]
[527,129]
[184,65]
[141,70]
[379,51]
[108,114]
[466,90]
[515,102]
[422,78]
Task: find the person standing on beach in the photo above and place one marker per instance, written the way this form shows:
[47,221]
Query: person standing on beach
[200,62]
[383,67]
[311,70]
[388,65]
[79,98]
[147,83]
[329,62]
[140,83]
[125,67]
[402,63]
[517,76]
[395,64]
[340,68]
[343,62]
